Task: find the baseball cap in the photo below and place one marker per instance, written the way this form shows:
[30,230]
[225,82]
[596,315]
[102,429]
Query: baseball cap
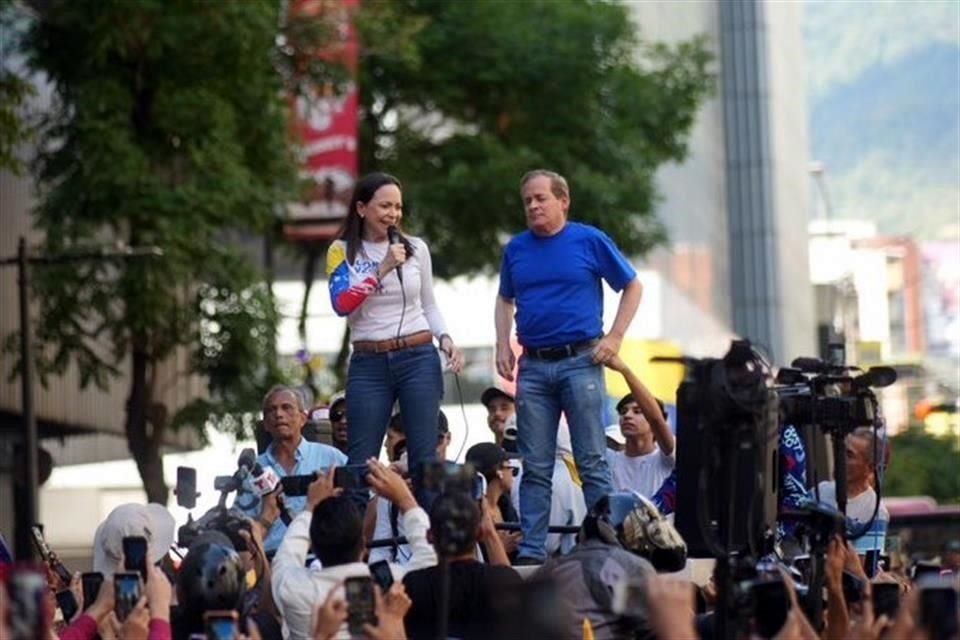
[613,432]
[493,392]
[487,457]
[337,398]
[152,521]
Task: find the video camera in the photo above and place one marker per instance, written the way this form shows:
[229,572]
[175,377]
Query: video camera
[229,521]
[826,393]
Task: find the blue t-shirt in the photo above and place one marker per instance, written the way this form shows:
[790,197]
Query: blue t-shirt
[310,456]
[555,282]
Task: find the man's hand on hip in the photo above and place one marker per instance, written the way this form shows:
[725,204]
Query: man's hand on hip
[607,348]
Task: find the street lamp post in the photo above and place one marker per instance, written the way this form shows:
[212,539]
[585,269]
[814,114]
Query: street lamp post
[23,543]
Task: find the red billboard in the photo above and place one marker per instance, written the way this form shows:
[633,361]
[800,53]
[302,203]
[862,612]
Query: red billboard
[324,126]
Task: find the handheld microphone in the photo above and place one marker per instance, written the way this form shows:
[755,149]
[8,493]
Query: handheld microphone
[393,236]
[267,481]
[248,458]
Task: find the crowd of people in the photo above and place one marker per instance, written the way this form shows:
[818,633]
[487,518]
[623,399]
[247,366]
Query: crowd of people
[557,527]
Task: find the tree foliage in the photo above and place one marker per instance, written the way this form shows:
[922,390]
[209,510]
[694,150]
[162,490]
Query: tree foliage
[489,90]
[15,91]
[169,129]
[922,464]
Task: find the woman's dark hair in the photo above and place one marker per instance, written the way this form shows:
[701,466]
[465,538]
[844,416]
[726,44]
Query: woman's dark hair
[363,192]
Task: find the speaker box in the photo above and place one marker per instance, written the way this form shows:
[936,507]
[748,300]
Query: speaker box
[743,456]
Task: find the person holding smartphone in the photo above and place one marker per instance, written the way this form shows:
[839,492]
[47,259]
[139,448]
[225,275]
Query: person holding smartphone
[332,527]
[149,618]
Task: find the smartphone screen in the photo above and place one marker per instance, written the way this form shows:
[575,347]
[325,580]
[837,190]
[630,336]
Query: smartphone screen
[221,625]
[126,593]
[91,587]
[186,487]
[67,603]
[886,599]
[359,593]
[27,592]
[771,604]
[853,588]
[381,573]
[351,476]
[938,610]
[135,555]
[296,485]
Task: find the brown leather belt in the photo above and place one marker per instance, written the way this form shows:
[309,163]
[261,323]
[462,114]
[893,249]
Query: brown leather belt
[393,344]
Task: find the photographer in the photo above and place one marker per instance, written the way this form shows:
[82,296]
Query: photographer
[149,620]
[382,519]
[288,454]
[332,527]
[588,575]
[457,525]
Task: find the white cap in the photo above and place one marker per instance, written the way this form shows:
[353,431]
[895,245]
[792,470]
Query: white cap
[613,432]
[152,521]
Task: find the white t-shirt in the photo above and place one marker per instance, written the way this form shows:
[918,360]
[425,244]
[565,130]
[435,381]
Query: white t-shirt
[859,511]
[383,530]
[643,474]
[378,316]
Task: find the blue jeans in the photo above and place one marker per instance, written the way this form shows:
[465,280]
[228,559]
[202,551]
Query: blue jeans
[411,376]
[574,386]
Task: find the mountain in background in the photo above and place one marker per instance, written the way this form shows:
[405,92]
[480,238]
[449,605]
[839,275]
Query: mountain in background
[884,105]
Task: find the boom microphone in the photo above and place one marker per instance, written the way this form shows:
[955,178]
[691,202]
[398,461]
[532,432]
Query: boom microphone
[393,236]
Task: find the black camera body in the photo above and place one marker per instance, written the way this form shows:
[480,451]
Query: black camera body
[229,522]
[449,477]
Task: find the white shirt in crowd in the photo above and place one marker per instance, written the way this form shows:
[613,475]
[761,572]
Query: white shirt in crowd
[859,511]
[299,590]
[643,474]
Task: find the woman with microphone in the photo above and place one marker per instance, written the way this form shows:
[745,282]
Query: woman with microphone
[382,281]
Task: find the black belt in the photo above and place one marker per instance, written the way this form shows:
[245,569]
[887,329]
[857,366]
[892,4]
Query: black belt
[561,352]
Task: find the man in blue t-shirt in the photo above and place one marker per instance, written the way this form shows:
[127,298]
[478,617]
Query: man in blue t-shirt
[551,277]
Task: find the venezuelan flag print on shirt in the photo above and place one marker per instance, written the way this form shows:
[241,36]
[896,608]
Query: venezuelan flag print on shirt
[349,285]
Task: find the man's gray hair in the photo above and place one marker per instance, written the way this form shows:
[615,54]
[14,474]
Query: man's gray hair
[279,388]
[874,444]
[558,184]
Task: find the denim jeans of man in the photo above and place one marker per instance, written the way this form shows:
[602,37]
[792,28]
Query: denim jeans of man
[410,376]
[575,387]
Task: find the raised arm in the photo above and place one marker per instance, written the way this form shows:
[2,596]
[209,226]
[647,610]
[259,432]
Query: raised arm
[647,403]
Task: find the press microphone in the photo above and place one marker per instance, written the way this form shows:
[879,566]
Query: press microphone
[267,481]
[393,236]
[248,458]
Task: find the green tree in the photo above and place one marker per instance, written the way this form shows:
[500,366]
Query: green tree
[169,129]
[922,464]
[15,91]
[491,89]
